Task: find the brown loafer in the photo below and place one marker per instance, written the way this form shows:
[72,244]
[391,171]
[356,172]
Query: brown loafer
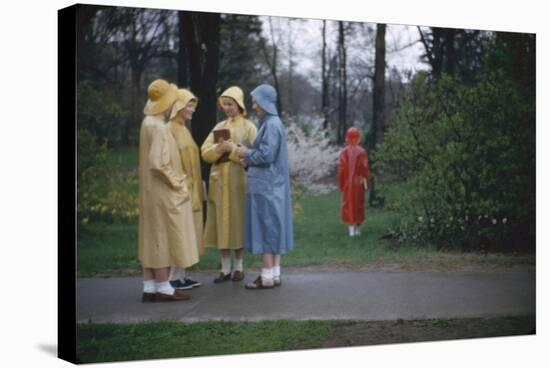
[177,296]
[237,276]
[148,298]
[222,278]
[259,284]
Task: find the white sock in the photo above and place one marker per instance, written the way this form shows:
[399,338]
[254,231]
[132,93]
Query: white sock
[226,265]
[267,273]
[357,232]
[351,230]
[164,288]
[239,264]
[276,271]
[149,286]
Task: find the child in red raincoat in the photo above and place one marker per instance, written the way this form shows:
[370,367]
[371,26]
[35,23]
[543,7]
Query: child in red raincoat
[353,181]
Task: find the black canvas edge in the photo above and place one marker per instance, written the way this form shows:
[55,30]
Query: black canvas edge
[66,190]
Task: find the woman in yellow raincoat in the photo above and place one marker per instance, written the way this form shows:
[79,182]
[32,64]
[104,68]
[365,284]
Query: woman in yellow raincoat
[182,113]
[227,184]
[164,202]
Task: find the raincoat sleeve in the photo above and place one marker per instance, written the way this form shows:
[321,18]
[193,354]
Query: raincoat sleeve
[159,157]
[251,131]
[265,151]
[342,171]
[208,149]
[192,171]
[187,166]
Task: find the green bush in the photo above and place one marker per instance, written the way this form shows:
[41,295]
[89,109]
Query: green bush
[99,114]
[104,192]
[466,156]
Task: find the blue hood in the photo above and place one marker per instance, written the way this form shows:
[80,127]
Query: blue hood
[266,96]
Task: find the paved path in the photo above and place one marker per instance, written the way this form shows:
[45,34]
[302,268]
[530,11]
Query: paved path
[341,295]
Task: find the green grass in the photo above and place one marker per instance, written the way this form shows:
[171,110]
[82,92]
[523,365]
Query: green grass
[156,340]
[107,249]
[320,240]
[125,157]
[320,237]
[160,340]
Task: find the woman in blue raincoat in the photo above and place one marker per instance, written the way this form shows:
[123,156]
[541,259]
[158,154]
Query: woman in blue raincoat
[268,209]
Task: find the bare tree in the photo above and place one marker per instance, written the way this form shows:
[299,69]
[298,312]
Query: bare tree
[183,79]
[378,120]
[142,33]
[272,61]
[290,84]
[324,78]
[342,83]
[441,53]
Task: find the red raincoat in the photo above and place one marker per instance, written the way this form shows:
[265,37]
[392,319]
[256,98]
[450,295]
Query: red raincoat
[353,169]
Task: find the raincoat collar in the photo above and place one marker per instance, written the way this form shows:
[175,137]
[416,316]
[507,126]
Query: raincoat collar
[266,97]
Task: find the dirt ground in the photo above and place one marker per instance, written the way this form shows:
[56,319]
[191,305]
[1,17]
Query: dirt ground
[400,331]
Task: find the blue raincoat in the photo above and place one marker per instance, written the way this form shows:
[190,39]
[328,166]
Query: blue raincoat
[268,210]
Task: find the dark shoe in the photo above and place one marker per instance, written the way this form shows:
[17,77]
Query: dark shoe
[194,284]
[148,298]
[237,276]
[179,285]
[258,284]
[186,284]
[177,296]
[277,280]
[222,278]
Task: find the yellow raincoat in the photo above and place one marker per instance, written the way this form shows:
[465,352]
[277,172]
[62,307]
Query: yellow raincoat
[190,159]
[227,184]
[166,229]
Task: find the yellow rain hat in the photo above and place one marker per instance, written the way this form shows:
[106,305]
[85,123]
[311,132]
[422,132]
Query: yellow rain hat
[161,96]
[183,96]
[235,93]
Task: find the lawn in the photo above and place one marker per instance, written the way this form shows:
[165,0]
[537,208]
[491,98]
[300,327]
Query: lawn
[161,340]
[320,241]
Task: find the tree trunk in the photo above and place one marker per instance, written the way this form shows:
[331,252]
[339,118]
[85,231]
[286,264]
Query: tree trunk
[342,85]
[437,49]
[202,41]
[378,119]
[324,79]
[290,96]
[209,33]
[183,80]
[191,41]
[450,51]
[378,98]
[273,67]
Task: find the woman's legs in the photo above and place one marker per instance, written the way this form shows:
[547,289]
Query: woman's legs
[225,272]
[226,261]
[161,281]
[148,283]
[277,269]
[238,274]
[268,260]
[238,260]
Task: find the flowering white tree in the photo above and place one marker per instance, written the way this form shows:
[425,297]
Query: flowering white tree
[312,159]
